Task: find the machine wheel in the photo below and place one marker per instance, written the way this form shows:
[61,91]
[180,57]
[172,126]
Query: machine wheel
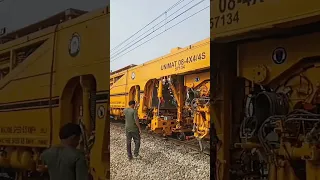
[181,136]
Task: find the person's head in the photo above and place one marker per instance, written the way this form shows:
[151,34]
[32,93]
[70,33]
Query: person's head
[132,104]
[70,134]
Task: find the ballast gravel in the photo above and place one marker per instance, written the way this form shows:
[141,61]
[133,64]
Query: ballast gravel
[161,160]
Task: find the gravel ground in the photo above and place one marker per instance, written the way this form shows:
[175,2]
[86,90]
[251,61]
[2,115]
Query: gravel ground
[161,160]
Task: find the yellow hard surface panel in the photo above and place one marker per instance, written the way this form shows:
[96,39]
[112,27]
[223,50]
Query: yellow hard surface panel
[197,57]
[256,53]
[23,129]
[230,17]
[93,54]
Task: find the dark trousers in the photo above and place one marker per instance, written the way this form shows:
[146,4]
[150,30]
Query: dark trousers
[136,138]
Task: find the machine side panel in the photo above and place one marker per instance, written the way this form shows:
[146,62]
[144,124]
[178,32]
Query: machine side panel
[232,17]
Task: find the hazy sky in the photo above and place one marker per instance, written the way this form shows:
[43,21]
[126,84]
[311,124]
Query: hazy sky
[15,14]
[129,16]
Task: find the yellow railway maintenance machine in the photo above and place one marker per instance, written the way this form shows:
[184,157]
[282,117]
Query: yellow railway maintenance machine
[172,92]
[51,73]
[267,97]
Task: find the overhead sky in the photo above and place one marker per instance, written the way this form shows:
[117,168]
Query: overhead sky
[128,17]
[15,14]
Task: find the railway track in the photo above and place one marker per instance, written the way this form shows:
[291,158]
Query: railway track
[191,144]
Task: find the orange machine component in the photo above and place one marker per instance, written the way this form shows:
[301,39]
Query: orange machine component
[174,98]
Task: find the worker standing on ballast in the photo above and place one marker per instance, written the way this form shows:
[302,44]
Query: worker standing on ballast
[133,130]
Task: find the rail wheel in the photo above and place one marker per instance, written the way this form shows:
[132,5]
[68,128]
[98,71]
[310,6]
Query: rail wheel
[181,136]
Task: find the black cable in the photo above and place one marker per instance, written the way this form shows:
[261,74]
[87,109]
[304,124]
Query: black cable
[177,3]
[152,28]
[173,6]
[161,32]
[156,29]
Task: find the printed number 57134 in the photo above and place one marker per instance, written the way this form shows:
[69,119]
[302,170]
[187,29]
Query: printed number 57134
[224,19]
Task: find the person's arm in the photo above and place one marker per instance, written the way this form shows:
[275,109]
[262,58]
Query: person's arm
[136,118]
[82,169]
[42,165]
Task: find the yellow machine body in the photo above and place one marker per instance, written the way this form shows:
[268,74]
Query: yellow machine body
[266,116]
[184,69]
[232,18]
[51,73]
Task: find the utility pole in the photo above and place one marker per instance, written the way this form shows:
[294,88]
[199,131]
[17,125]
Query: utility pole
[2,31]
